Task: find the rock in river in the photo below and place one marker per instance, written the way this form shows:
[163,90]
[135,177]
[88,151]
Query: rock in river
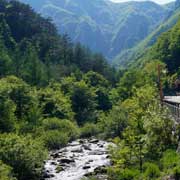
[78,159]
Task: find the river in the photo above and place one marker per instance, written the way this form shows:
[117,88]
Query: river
[77,160]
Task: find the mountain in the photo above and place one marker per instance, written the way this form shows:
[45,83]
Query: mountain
[131,55]
[41,53]
[165,49]
[102,25]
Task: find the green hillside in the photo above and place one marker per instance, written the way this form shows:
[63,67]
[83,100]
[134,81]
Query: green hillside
[166,49]
[101,25]
[128,56]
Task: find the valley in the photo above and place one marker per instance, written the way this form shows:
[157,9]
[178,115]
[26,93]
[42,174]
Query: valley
[62,104]
[105,27]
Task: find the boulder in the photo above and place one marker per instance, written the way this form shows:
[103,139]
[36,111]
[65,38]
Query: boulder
[77,150]
[47,175]
[86,147]
[97,153]
[66,161]
[94,141]
[86,167]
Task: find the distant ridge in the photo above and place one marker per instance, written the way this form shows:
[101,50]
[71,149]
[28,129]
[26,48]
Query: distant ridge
[102,25]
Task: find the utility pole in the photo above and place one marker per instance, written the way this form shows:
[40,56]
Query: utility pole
[160,85]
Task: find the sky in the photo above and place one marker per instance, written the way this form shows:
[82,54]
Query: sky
[157,1]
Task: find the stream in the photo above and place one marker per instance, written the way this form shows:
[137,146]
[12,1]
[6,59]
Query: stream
[77,160]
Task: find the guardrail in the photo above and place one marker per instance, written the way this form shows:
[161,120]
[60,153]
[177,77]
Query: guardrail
[175,110]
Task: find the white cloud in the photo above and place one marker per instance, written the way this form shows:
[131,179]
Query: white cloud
[157,1]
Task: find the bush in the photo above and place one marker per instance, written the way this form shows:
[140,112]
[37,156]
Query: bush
[65,126]
[55,104]
[7,115]
[123,174]
[171,163]
[151,171]
[88,130]
[5,172]
[170,159]
[23,154]
[113,123]
[55,139]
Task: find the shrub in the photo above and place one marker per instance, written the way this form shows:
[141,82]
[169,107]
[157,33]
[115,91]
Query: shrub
[171,163]
[7,115]
[151,171]
[123,174]
[55,104]
[55,139]
[64,126]
[170,159]
[23,154]
[6,172]
[88,130]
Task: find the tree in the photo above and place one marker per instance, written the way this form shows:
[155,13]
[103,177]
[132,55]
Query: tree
[83,103]
[114,122]
[55,104]
[102,87]
[6,172]
[19,92]
[5,61]
[23,154]
[7,115]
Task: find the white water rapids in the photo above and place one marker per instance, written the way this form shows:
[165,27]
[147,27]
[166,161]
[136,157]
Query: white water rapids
[77,160]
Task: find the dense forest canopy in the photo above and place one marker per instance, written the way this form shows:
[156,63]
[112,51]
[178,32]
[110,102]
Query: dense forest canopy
[25,35]
[53,91]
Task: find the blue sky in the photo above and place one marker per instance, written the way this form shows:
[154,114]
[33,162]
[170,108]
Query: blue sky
[157,1]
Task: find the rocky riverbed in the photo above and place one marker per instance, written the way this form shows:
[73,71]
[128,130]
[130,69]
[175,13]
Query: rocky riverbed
[79,159]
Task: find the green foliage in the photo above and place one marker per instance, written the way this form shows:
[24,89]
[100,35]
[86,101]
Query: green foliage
[96,80]
[58,132]
[7,115]
[23,154]
[102,87]
[159,127]
[89,130]
[151,171]
[83,103]
[113,122]
[19,92]
[55,104]
[5,61]
[148,133]
[171,163]
[5,172]
[167,48]
[132,79]
[65,126]
[123,174]
[55,139]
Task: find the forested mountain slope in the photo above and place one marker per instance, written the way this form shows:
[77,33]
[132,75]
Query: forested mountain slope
[26,35]
[166,49]
[102,25]
[128,56]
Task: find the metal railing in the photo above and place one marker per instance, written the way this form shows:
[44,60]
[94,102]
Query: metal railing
[175,111]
